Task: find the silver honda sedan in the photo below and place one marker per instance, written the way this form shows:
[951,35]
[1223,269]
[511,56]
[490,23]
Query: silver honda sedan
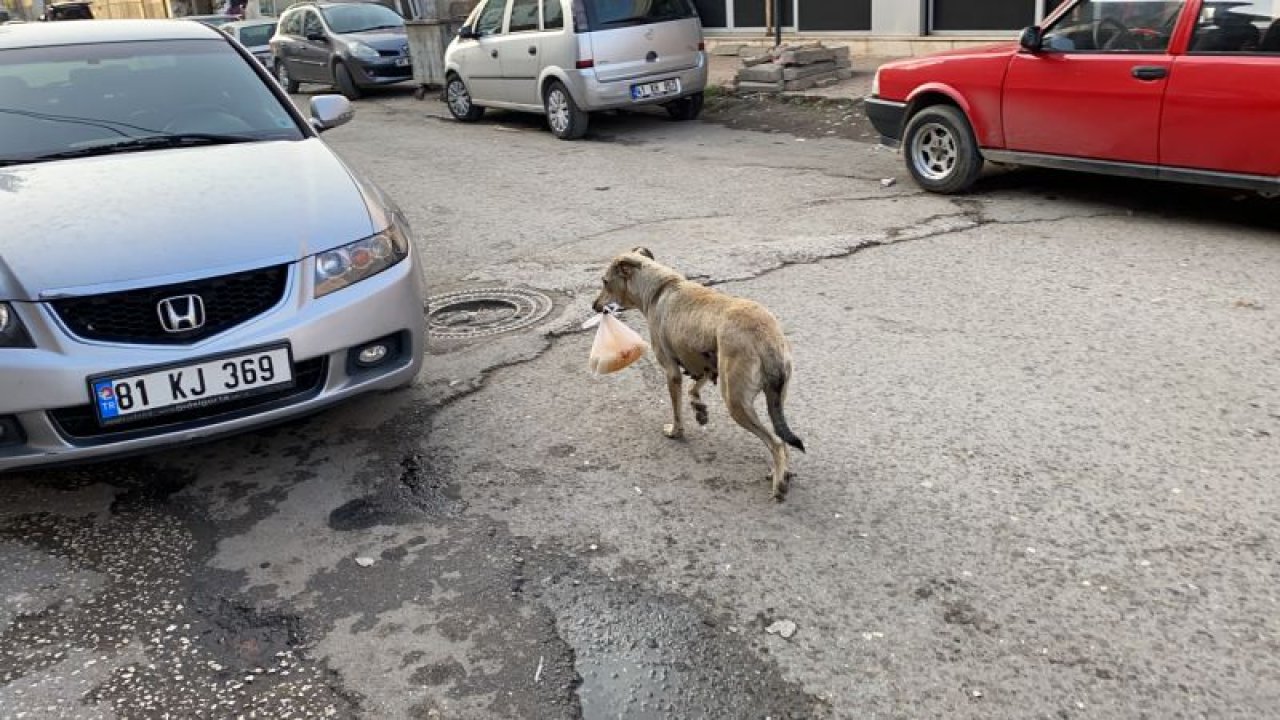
[181,256]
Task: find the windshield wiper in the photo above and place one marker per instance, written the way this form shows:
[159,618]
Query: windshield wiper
[150,142]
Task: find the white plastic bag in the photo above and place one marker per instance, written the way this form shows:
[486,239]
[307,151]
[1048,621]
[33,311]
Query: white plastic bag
[615,347]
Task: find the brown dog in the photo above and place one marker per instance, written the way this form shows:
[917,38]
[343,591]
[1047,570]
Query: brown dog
[710,336]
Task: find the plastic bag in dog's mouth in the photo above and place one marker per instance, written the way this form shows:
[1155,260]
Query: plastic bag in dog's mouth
[615,347]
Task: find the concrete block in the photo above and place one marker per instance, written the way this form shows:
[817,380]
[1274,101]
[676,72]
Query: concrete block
[841,52]
[762,73]
[752,51]
[747,86]
[752,61]
[801,84]
[726,50]
[806,56]
[844,63]
[804,71]
[827,82]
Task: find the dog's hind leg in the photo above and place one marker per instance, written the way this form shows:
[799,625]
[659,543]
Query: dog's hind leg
[741,408]
[675,382]
[695,400]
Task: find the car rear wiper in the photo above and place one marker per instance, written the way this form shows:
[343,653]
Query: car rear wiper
[149,142]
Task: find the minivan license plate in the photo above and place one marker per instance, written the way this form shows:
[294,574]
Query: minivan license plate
[655,89]
[174,388]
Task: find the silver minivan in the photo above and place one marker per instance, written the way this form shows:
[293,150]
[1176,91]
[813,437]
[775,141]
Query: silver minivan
[567,58]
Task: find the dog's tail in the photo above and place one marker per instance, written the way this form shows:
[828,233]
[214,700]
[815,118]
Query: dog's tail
[775,394]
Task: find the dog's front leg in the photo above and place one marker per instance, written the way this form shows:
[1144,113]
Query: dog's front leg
[675,382]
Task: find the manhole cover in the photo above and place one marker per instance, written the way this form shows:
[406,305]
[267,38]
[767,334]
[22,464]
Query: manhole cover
[479,313]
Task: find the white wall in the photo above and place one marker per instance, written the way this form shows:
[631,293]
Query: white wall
[897,17]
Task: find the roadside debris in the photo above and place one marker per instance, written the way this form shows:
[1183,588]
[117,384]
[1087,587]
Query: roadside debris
[364,561]
[888,182]
[785,628]
[794,67]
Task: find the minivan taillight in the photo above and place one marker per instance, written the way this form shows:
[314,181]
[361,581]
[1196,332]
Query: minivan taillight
[585,64]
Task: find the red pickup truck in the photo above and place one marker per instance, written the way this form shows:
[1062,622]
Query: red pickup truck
[1184,90]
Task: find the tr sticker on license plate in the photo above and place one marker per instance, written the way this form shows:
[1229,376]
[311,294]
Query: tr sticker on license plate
[181,387]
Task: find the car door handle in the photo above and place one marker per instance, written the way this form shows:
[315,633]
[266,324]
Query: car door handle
[533,50]
[493,53]
[1150,72]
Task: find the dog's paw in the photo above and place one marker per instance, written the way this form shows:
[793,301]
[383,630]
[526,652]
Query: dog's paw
[672,431]
[700,413]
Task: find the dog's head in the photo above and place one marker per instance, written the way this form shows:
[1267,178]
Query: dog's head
[618,283]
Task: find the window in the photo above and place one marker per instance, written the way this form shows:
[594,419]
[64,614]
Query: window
[256,35]
[552,15]
[1238,27]
[1114,26]
[311,25]
[76,97]
[624,13]
[359,17]
[490,20]
[987,15]
[524,16]
[292,24]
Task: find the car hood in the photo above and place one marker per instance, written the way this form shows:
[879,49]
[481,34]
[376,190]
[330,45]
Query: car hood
[90,225]
[381,39]
[1003,49]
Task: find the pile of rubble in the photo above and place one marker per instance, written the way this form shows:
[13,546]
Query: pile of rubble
[794,67]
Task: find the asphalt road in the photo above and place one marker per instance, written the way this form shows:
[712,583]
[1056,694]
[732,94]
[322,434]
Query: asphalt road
[1043,424]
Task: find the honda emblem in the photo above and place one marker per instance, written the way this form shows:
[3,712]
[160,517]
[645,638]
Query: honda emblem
[181,313]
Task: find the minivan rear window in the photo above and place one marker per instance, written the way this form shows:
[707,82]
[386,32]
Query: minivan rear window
[609,14]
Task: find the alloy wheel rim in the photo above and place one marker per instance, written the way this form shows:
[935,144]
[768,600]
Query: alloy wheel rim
[459,99]
[558,110]
[934,151]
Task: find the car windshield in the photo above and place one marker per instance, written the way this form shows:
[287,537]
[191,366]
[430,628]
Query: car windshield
[256,35]
[75,99]
[358,17]
[616,13]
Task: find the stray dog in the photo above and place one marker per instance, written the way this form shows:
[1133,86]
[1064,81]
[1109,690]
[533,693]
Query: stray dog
[708,335]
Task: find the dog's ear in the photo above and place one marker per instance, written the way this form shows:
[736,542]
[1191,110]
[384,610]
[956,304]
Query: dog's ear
[643,251]
[625,267]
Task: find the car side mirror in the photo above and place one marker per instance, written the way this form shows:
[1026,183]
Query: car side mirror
[1031,39]
[466,32]
[330,111]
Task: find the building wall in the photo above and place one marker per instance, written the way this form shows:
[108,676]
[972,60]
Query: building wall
[880,17]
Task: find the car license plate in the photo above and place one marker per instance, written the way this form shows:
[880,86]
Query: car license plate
[402,62]
[134,395]
[655,89]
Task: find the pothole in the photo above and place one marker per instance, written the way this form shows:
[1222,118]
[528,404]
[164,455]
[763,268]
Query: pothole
[469,314]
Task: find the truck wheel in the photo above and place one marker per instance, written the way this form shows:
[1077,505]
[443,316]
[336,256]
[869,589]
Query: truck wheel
[567,121]
[941,152]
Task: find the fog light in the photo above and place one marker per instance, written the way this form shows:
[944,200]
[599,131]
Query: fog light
[371,355]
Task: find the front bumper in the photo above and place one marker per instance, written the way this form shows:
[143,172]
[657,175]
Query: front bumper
[383,71]
[592,94]
[45,390]
[888,118]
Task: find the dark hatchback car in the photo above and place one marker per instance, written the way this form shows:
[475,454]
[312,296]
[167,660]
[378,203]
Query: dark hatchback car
[350,45]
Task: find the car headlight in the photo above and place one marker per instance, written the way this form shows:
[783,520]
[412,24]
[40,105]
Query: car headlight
[12,333]
[362,51]
[349,264]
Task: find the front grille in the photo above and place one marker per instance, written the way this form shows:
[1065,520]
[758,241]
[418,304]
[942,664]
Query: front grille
[133,316]
[79,424]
